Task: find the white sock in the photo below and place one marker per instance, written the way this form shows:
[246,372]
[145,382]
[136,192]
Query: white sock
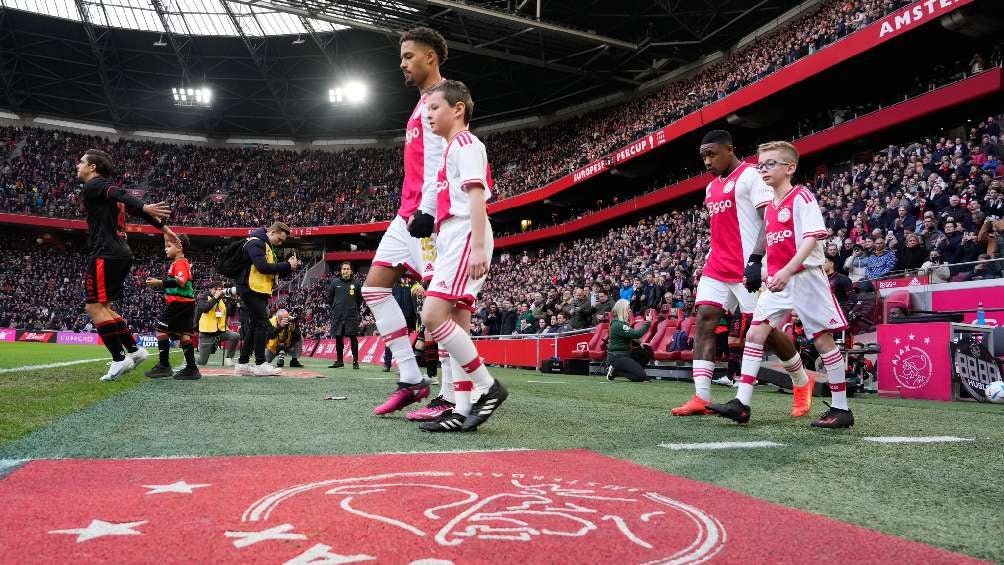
[795,370]
[462,389]
[455,340]
[392,326]
[836,375]
[446,384]
[703,371]
[752,359]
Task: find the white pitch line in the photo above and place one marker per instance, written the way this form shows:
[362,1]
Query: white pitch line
[721,445]
[549,382]
[920,439]
[51,365]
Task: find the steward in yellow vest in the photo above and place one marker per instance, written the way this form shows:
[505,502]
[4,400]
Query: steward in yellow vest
[255,285]
[213,328]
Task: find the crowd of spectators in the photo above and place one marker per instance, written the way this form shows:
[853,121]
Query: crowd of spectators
[236,186]
[933,207]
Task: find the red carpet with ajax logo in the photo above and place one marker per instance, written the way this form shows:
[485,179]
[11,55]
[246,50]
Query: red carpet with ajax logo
[482,507]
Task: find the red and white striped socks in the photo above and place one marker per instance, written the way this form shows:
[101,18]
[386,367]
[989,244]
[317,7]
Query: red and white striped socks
[795,370]
[703,371]
[752,359]
[393,328]
[836,375]
[470,377]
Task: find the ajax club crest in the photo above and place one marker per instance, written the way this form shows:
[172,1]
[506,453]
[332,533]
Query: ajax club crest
[912,367]
[784,215]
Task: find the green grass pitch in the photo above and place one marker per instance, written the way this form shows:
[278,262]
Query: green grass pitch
[943,494]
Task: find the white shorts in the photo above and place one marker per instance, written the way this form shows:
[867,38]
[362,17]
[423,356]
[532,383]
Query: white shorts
[724,295]
[398,249]
[808,294]
[453,249]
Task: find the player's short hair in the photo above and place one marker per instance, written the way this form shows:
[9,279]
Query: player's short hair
[102,161]
[349,263]
[279,226]
[430,38]
[455,91]
[783,147]
[719,136]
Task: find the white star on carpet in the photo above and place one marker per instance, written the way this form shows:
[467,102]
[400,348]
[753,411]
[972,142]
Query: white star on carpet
[100,528]
[911,337]
[927,341]
[896,341]
[180,486]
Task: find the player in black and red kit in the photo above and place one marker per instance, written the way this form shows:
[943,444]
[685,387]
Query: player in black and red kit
[110,259]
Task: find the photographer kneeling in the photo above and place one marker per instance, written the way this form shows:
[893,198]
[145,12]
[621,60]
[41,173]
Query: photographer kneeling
[624,360]
[284,337]
[213,330]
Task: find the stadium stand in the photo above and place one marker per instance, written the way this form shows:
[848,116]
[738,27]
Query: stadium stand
[225,187]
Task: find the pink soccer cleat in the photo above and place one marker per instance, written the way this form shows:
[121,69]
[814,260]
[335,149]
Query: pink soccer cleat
[404,395]
[430,412]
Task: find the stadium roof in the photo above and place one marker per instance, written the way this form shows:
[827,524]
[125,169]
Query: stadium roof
[270,63]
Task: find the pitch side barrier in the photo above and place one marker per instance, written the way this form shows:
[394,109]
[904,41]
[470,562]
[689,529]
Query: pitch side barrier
[532,350]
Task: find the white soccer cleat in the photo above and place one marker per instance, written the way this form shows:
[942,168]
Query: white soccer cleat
[138,357]
[266,370]
[228,362]
[243,370]
[118,368]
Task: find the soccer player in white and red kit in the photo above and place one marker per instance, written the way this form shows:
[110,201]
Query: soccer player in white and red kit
[735,200]
[464,244]
[795,282]
[406,249]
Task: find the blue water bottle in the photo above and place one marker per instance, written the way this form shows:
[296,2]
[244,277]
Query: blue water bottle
[981,316]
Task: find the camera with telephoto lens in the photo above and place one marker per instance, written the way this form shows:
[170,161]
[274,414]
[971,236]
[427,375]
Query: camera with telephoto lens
[230,292]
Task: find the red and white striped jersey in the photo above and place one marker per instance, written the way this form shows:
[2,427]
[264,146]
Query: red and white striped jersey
[465,164]
[796,217]
[423,155]
[732,204]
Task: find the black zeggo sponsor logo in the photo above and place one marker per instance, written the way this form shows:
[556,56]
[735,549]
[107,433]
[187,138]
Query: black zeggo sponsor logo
[45,337]
[974,367]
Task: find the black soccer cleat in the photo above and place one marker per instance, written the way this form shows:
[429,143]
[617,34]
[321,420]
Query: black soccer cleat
[188,373]
[448,421]
[486,406]
[834,418]
[734,410]
[295,363]
[355,365]
[336,365]
[159,371]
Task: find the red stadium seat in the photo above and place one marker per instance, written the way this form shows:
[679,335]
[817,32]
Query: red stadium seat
[659,346]
[897,300]
[598,348]
[602,331]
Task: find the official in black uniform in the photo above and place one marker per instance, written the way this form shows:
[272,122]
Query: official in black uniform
[110,258]
[345,298]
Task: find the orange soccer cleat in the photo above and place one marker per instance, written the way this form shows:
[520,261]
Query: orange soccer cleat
[801,400]
[696,406]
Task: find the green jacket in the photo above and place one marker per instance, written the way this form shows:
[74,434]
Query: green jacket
[621,335]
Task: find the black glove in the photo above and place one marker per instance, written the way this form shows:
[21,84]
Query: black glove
[421,224]
[752,273]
